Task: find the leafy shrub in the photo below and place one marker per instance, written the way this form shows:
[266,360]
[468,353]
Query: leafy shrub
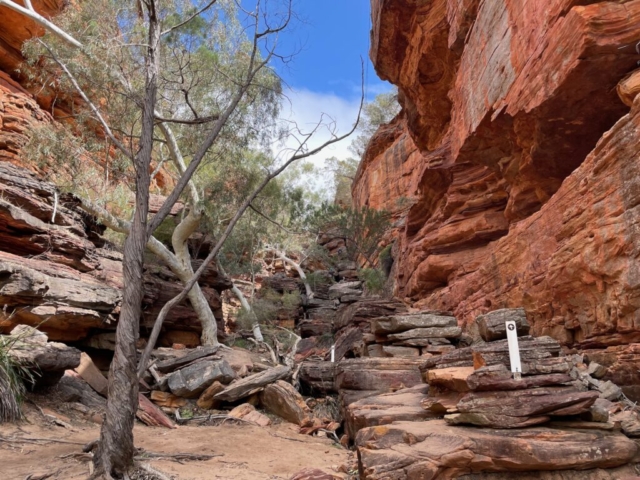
[13,379]
[373,279]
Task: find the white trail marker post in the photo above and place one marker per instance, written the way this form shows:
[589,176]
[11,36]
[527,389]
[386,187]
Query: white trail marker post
[514,350]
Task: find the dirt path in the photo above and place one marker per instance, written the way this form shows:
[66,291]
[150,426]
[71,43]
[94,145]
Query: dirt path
[247,452]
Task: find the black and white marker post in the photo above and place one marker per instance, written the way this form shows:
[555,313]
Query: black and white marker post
[514,350]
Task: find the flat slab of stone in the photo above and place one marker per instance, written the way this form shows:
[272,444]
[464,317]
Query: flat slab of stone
[318,376]
[421,333]
[395,351]
[532,350]
[454,378]
[433,449]
[409,321]
[381,374]
[387,408]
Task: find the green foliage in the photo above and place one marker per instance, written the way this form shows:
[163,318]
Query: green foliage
[343,172]
[13,379]
[386,259]
[378,112]
[201,66]
[373,279]
[362,229]
[318,279]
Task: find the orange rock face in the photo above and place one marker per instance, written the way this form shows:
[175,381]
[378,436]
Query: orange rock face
[512,169]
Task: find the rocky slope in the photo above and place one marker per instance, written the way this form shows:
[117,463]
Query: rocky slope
[512,167]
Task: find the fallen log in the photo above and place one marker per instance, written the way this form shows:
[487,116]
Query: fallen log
[151,415]
[171,364]
[252,384]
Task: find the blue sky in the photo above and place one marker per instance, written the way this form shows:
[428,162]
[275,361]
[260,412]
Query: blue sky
[323,81]
[332,37]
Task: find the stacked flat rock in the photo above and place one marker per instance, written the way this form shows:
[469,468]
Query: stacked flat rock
[358,378]
[412,334]
[386,408]
[316,328]
[473,385]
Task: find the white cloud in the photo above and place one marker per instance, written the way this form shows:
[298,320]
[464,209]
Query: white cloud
[305,109]
[326,112]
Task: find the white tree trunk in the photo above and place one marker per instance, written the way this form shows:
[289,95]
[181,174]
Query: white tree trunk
[185,271]
[294,264]
[179,263]
[255,325]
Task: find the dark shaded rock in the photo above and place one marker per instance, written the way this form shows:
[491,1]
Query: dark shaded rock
[318,376]
[492,325]
[410,321]
[191,381]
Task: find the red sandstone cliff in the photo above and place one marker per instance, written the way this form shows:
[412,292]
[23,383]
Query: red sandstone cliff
[514,164]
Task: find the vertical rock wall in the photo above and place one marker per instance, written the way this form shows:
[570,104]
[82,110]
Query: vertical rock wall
[513,167]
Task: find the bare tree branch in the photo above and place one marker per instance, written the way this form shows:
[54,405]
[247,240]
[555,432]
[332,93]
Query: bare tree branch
[195,121]
[153,337]
[84,96]
[36,17]
[202,10]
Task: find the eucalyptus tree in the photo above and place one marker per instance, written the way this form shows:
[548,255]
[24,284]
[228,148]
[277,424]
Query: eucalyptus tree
[172,76]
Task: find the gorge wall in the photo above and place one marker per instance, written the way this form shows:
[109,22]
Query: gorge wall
[512,169]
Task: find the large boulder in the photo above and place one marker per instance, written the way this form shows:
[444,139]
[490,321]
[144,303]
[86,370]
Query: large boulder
[433,449]
[191,381]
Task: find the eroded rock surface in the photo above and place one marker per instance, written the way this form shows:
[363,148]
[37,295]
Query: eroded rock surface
[433,449]
[512,168]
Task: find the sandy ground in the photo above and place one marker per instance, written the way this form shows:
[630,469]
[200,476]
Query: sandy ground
[246,452]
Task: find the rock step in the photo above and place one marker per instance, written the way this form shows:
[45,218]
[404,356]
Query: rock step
[433,449]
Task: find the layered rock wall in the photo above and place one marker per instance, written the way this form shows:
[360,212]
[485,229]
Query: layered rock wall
[512,166]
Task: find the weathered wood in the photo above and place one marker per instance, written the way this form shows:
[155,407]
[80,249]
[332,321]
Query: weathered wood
[410,321]
[181,358]
[492,325]
[252,384]
[48,361]
[151,415]
[90,374]
[72,388]
[281,399]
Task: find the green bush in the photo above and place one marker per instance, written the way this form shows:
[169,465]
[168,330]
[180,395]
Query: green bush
[373,279]
[13,379]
